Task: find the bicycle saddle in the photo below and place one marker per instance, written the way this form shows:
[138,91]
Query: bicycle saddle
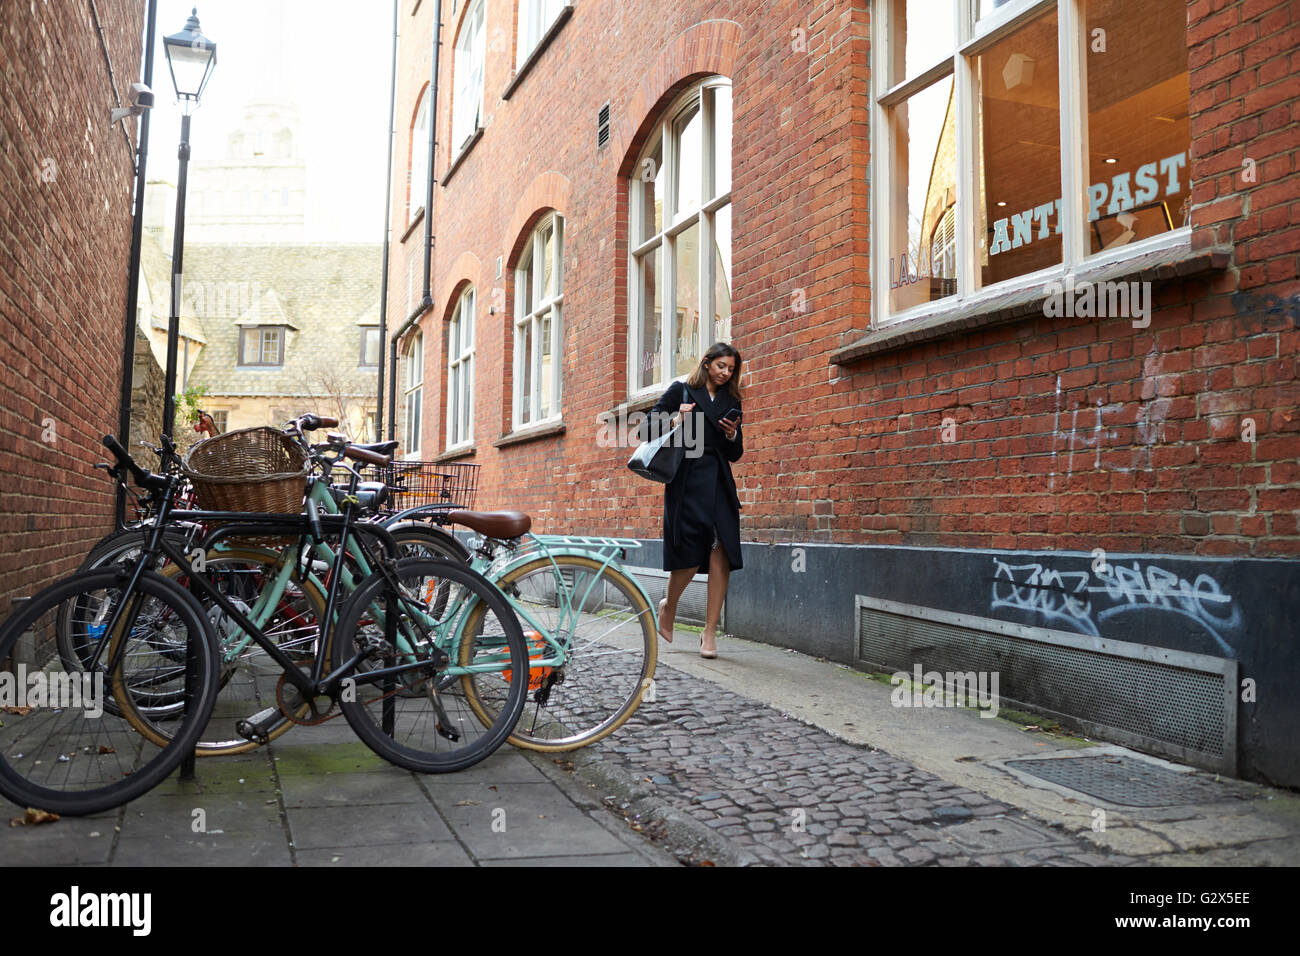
[379,447]
[494,524]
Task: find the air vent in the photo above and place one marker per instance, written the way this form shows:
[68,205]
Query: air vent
[1173,703]
[602,127]
[694,600]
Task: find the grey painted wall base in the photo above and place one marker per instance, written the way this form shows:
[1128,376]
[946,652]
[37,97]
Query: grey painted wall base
[1242,609]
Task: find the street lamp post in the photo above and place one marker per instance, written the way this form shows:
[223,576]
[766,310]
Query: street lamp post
[190,57]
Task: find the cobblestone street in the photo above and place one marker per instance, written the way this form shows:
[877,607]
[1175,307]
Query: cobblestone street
[791,793]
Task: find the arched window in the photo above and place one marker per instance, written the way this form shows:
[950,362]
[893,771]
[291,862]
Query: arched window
[680,226]
[943,254]
[460,372]
[539,294]
[419,165]
[467,103]
[414,391]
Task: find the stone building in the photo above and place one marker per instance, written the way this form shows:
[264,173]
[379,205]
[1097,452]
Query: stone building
[258,191]
[289,329]
[272,325]
[1096,495]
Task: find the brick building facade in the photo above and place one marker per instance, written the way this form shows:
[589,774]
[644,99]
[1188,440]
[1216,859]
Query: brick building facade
[983,464]
[65,235]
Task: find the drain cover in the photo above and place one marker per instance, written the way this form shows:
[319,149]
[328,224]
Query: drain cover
[1001,836]
[1125,781]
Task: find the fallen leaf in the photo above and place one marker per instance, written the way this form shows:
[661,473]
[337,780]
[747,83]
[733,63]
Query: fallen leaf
[105,749]
[467,803]
[707,863]
[20,711]
[492,786]
[32,817]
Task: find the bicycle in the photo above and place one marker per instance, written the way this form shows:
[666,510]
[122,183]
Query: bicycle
[590,626]
[280,591]
[410,652]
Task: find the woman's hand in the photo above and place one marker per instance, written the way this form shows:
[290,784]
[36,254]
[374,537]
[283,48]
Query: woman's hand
[682,412]
[729,429]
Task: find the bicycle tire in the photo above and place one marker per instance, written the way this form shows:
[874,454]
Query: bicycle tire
[419,540]
[414,541]
[248,684]
[397,719]
[611,664]
[77,646]
[67,759]
[126,544]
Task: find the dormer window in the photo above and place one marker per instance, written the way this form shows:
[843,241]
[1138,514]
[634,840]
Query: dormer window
[261,345]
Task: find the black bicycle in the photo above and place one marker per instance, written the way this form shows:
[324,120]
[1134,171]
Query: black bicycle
[399,667]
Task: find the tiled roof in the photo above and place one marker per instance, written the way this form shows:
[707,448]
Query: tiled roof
[157,267]
[317,290]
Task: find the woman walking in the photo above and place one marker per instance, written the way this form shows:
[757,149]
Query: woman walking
[701,508]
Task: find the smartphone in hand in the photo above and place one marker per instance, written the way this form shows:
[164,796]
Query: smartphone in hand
[732,417]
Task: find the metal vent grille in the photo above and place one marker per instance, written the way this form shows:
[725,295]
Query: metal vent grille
[1168,702]
[1126,781]
[602,127]
[694,602]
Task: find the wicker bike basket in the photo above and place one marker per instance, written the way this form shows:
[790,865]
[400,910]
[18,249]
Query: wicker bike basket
[253,469]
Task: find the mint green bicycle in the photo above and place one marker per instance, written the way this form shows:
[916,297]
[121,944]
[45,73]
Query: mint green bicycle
[590,627]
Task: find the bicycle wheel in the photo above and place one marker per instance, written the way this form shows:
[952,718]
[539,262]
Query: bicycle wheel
[421,541]
[415,541]
[290,618]
[77,647]
[421,720]
[61,748]
[127,544]
[605,628]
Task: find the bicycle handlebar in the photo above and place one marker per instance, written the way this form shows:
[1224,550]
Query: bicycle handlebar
[357,453]
[143,478]
[309,423]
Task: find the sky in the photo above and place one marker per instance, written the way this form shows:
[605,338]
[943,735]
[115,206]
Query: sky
[333,57]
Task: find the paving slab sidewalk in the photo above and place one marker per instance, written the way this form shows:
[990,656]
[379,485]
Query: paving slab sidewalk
[319,797]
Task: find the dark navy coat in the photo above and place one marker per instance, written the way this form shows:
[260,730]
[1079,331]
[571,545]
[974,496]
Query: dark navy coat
[701,499]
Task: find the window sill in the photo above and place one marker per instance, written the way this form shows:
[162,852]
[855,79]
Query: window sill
[460,157]
[1152,266]
[530,433]
[560,20]
[640,402]
[418,218]
[463,452]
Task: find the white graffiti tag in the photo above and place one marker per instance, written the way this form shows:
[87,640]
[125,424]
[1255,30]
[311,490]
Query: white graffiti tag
[1069,596]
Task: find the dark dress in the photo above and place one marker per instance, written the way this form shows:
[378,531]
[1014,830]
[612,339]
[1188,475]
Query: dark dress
[700,503]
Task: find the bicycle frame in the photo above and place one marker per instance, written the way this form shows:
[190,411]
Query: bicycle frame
[606,550]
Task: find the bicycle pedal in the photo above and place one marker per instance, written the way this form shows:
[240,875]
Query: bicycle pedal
[255,729]
[452,735]
[373,646]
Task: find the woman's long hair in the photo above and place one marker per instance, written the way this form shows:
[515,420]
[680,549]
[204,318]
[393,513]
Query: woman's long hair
[699,377]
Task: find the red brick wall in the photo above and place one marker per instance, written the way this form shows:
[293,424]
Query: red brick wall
[1069,433]
[65,231]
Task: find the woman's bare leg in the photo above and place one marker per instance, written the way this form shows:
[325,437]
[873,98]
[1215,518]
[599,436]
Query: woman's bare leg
[719,575]
[677,581]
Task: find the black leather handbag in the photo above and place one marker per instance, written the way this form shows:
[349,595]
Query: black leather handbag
[659,458]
